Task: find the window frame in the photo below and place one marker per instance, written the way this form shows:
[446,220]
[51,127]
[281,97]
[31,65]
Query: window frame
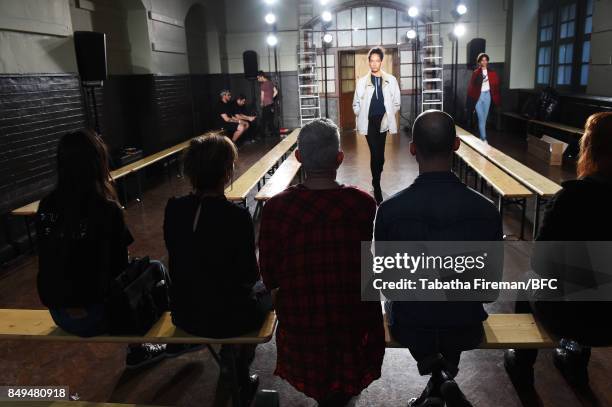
[577,40]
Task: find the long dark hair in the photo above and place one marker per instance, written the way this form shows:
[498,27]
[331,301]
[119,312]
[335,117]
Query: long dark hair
[82,169]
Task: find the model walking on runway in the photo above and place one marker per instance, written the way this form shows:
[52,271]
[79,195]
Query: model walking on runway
[376,101]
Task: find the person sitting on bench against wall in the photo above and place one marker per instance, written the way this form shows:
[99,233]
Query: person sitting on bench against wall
[330,344]
[437,207]
[580,212]
[211,247]
[233,127]
[83,243]
[242,111]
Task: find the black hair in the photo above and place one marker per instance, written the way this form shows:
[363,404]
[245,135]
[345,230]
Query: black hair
[433,133]
[378,51]
[261,73]
[482,55]
[241,96]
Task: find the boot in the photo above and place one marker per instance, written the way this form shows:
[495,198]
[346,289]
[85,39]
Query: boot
[572,360]
[452,395]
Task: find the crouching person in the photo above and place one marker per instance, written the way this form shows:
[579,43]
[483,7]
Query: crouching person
[83,244]
[211,247]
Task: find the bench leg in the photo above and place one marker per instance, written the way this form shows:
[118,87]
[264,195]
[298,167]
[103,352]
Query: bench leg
[27,225]
[523,215]
[257,210]
[125,194]
[500,206]
[536,217]
[235,388]
[137,175]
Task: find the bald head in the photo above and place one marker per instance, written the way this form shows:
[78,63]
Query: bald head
[434,135]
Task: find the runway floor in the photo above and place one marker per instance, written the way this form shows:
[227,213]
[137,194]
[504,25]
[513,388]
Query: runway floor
[96,371]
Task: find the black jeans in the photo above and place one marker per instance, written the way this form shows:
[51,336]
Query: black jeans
[376,143]
[268,124]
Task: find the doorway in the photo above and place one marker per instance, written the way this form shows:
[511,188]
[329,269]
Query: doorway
[354,65]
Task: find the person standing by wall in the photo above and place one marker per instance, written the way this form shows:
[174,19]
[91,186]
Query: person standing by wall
[377,99]
[482,89]
[267,95]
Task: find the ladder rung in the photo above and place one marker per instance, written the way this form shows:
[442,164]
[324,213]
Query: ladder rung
[309,96]
[432,57]
[308,86]
[432,91]
[433,80]
[432,103]
[431,69]
[307,74]
[432,46]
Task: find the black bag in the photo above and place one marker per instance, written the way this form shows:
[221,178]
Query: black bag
[138,298]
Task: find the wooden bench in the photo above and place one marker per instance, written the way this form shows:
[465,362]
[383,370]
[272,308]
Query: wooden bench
[543,187]
[281,179]
[238,190]
[31,208]
[72,404]
[503,331]
[507,188]
[37,325]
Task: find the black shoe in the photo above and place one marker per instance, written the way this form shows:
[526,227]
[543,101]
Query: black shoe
[520,375]
[177,349]
[248,388]
[452,395]
[427,402]
[144,354]
[573,365]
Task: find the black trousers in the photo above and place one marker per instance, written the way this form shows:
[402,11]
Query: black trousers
[376,143]
[268,124]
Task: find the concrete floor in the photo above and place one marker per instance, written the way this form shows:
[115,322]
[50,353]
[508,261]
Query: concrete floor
[96,371]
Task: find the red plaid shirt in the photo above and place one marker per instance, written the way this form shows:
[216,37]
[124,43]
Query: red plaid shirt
[309,246]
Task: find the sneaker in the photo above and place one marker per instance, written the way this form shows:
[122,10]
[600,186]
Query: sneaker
[520,375]
[177,349]
[452,395]
[144,354]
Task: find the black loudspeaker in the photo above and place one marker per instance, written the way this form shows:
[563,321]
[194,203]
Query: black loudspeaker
[90,50]
[249,60]
[475,47]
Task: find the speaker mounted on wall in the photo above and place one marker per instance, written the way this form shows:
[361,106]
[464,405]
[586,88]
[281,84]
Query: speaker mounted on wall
[475,47]
[251,66]
[90,49]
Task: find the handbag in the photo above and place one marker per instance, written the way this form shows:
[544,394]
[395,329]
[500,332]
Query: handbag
[138,297]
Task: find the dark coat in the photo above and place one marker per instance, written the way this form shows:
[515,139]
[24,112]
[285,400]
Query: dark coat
[437,207]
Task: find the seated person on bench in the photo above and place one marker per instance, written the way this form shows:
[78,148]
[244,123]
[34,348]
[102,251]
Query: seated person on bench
[437,207]
[233,127]
[83,243]
[211,247]
[243,111]
[579,212]
[330,344]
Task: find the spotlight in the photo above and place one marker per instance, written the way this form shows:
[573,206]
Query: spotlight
[270,18]
[459,30]
[413,11]
[272,40]
[411,34]
[269,1]
[326,16]
[461,9]
[328,38]
[323,2]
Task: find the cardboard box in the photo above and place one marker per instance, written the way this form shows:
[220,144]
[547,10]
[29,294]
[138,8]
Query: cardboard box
[546,148]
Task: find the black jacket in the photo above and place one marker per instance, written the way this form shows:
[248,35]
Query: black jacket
[580,212]
[437,207]
[213,268]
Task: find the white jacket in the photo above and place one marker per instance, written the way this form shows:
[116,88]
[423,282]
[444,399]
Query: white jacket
[363,96]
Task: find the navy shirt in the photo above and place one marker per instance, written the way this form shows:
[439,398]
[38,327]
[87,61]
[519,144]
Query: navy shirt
[377,104]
